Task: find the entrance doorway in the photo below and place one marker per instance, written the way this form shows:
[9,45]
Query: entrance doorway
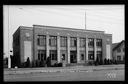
[73,57]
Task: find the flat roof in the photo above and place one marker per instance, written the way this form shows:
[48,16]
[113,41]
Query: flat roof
[67,28]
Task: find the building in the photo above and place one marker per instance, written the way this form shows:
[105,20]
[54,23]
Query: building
[66,45]
[118,51]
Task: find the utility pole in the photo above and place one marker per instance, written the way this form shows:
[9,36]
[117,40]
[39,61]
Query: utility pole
[9,59]
[85,21]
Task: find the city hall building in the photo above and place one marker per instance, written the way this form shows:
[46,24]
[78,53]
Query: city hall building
[65,45]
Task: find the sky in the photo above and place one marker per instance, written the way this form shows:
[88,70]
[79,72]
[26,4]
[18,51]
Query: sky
[108,18]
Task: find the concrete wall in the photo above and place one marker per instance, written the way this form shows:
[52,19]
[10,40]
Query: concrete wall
[107,40]
[16,48]
[42,30]
[24,37]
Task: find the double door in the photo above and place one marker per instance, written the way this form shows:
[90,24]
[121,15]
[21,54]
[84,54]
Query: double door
[73,56]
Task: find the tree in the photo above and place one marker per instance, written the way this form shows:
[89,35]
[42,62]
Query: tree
[110,61]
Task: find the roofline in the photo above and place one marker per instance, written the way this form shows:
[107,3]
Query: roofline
[69,28]
[18,29]
[118,44]
[25,27]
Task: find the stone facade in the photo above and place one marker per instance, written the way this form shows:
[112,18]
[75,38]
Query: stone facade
[72,54]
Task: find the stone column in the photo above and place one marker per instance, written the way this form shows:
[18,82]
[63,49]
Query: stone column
[78,50]
[95,49]
[47,45]
[58,49]
[86,49]
[68,41]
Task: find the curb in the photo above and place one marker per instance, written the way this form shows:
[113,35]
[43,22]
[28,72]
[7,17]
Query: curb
[68,70]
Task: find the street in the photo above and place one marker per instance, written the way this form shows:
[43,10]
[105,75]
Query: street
[110,75]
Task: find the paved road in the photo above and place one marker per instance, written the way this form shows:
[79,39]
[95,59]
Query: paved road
[102,75]
[61,69]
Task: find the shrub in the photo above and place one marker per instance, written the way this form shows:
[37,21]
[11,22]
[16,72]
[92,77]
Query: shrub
[42,63]
[55,65]
[91,62]
[48,61]
[37,63]
[28,62]
[105,61]
[111,62]
[60,64]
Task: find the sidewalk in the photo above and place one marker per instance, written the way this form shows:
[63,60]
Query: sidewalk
[62,69]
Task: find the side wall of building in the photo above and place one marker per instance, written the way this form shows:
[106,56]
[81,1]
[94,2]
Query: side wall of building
[16,48]
[26,40]
[107,46]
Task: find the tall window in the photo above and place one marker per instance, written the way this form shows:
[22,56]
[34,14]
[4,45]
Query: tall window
[41,40]
[63,41]
[82,42]
[99,55]
[53,41]
[41,55]
[73,41]
[91,55]
[91,42]
[99,42]
[53,54]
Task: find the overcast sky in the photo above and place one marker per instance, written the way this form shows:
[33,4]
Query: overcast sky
[108,18]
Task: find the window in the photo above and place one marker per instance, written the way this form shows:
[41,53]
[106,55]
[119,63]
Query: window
[99,42]
[118,50]
[53,41]
[53,54]
[82,56]
[63,41]
[91,55]
[41,40]
[91,42]
[41,55]
[73,42]
[118,58]
[99,55]
[54,57]
[82,42]
[63,56]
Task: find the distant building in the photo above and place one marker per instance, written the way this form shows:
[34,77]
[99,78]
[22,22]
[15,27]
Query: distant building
[119,51]
[66,45]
